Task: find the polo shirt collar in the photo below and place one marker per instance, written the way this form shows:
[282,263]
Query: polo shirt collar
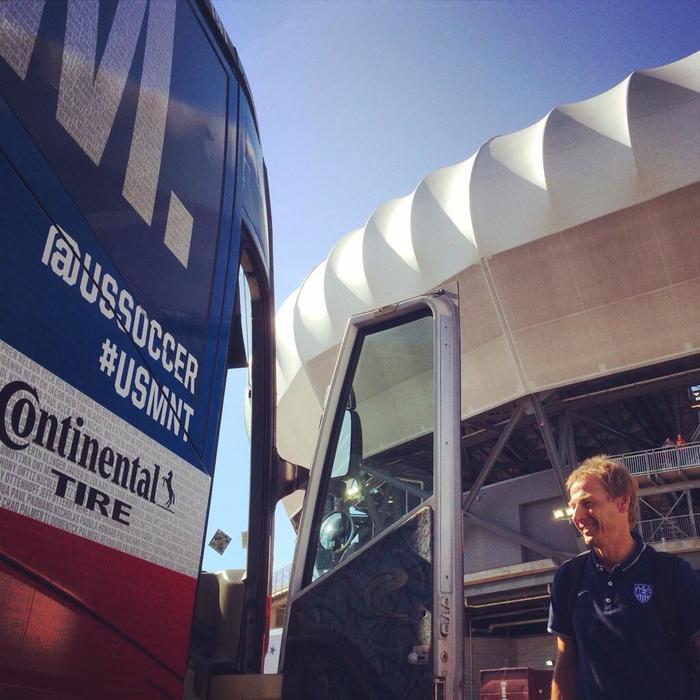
[632,559]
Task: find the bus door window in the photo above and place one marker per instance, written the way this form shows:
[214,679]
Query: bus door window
[382,461]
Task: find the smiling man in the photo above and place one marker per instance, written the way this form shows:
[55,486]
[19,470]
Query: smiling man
[627,618]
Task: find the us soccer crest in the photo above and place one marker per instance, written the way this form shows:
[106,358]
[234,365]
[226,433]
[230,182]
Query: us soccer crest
[643,592]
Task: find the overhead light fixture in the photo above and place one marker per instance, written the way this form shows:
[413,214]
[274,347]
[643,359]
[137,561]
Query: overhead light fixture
[562,513]
[549,662]
[352,490]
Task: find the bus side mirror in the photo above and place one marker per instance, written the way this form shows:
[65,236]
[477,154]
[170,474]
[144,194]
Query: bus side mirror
[348,452]
[336,532]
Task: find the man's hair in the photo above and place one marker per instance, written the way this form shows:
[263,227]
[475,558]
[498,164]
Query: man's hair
[615,478]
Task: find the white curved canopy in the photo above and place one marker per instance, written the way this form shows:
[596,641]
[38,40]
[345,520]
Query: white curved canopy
[575,242]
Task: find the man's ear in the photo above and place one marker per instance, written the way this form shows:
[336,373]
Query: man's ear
[623,504]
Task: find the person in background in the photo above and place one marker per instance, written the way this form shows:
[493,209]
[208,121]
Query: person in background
[667,457]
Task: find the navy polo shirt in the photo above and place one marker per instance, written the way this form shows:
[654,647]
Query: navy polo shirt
[623,651]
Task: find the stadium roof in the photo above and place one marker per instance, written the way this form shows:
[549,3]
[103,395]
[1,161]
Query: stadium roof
[575,243]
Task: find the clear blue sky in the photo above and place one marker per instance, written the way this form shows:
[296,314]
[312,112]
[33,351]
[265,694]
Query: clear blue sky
[357,101]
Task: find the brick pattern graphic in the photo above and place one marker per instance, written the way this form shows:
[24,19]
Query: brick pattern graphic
[178,230]
[143,169]
[88,102]
[167,537]
[19,22]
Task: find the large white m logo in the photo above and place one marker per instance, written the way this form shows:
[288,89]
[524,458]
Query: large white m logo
[89,95]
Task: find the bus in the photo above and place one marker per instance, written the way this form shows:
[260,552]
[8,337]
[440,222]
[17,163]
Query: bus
[134,208]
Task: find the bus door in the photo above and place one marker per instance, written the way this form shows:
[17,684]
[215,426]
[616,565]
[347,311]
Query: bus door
[376,592]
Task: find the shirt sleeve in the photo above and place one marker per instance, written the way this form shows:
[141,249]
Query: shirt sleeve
[560,622]
[688,591]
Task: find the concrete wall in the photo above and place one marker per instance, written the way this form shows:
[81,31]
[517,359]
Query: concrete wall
[525,505]
[482,653]
[536,650]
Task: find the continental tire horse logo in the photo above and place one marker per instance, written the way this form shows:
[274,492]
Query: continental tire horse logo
[168,481]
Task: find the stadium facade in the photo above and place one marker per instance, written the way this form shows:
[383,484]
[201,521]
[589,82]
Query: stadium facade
[576,247]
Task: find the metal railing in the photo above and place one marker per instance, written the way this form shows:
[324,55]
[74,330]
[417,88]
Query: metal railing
[676,527]
[280,579]
[661,460]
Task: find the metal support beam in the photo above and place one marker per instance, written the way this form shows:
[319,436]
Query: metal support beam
[648,386]
[480,435]
[469,498]
[664,522]
[371,510]
[666,488]
[691,514]
[563,435]
[549,443]
[673,507]
[654,425]
[614,431]
[546,550]
[648,505]
[599,398]
[398,483]
[595,438]
[663,516]
[573,456]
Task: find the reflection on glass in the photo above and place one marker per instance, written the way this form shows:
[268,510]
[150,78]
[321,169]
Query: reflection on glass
[337,530]
[382,462]
[341,460]
[246,306]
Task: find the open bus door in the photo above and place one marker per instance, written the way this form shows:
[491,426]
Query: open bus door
[376,590]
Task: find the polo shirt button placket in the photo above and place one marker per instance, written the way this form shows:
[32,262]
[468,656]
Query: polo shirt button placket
[608,598]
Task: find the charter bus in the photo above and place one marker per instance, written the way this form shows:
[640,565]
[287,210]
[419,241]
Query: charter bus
[134,208]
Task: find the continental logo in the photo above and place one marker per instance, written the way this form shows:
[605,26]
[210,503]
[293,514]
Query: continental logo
[24,422]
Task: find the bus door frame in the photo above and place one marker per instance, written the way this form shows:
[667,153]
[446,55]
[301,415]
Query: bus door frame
[448,570]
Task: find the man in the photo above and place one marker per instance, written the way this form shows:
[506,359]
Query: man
[611,642]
